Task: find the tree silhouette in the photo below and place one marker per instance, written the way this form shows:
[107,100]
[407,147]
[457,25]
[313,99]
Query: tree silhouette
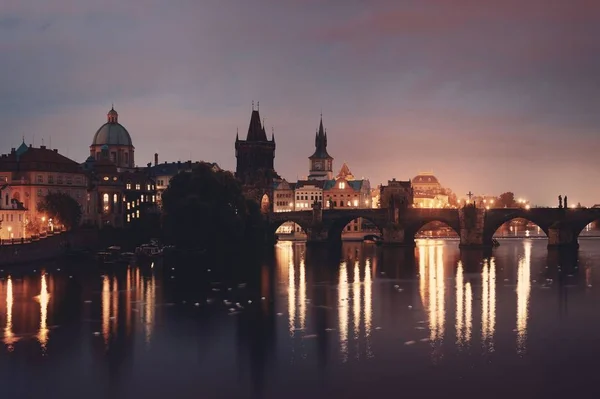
[61,207]
[506,200]
[205,208]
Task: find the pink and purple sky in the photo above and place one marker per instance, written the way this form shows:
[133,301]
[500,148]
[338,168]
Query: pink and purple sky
[489,95]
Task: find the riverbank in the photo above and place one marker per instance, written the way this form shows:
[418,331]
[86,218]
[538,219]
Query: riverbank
[46,249]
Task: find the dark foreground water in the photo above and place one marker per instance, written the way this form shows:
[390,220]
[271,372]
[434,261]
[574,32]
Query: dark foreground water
[363,323]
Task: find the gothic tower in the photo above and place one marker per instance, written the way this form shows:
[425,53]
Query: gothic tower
[255,157]
[321,163]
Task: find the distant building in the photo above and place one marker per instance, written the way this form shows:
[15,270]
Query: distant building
[32,173]
[255,163]
[321,163]
[428,192]
[13,217]
[397,191]
[283,194]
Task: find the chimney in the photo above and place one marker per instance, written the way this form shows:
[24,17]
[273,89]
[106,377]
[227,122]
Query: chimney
[155,158]
[55,150]
[13,150]
[43,147]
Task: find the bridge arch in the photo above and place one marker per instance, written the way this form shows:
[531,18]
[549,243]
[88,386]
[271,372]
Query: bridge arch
[412,229]
[274,225]
[494,222]
[353,224]
[578,226]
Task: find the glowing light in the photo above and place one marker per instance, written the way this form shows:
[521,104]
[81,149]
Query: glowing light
[343,311]
[488,304]
[527,206]
[459,304]
[523,291]
[150,306]
[356,304]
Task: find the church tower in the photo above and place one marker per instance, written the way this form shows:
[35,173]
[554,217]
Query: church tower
[321,163]
[255,162]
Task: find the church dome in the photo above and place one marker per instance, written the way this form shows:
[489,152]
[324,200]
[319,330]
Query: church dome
[112,132]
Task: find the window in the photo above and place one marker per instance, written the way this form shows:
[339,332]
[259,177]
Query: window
[105,200]
[115,198]
[137,187]
[128,186]
[69,180]
[138,201]
[133,204]
[50,179]
[59,180]
[40,178]
[78,180]
[128,206]
[342,185]
[128,218]
[355,202]
[148,187]
[137,214]
[105,178]
[142,198]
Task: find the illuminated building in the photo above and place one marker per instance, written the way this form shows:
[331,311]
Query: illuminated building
[32,173]
[400,192]
[12,214]
[428,192]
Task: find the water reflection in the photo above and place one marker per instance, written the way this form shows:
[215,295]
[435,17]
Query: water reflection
[343,311]
[488,304]
[43,298]
[368,312]
[523,291]
[9,336]
[464,308]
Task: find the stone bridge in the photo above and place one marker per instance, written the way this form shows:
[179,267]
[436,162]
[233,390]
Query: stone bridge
[475,226]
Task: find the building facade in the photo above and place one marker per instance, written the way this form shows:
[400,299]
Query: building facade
[398,192]
[13,216]
[348,192]
[255,158]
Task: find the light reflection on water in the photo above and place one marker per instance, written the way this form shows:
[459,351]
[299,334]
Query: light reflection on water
[366,309]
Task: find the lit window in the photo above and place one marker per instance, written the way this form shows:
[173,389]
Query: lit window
[128,206]
[355,202]
[138,201]
[128,218]
[148,187]
[115,198]
[50,179]
[142,198]
[342,185]
[137,214]
[105,178]
[40,179]
[137,187]
[128,186]
[114,178]
[133,204]
[153,198]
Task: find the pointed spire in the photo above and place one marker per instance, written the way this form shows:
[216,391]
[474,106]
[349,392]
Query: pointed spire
[237,134]
[256,130]
[272,134]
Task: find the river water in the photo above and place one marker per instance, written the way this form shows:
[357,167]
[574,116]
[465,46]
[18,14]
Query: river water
[365,322]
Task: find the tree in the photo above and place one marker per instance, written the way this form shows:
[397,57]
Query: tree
[205,208]
[62,208]
[506,200]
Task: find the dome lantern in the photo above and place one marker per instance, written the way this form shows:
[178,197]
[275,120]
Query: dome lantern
[113,116]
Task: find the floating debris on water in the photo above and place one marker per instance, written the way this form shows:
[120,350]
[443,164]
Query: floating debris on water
[216,289]
[279,314]
[197,304]
[88,301]
[309,336]
[396,286]
[96,333]
[330,329]
[419,328]
[424,340]
[262,298]
[378,328]
[242,285]
[410,306]
[249,300]
[410,342]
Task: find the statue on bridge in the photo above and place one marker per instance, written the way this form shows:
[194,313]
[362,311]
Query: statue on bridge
[566,202]
[560,202]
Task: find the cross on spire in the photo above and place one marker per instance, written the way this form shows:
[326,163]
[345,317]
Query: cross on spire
[470,195]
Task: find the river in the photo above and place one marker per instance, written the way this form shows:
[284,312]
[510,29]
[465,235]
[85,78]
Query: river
[364,322]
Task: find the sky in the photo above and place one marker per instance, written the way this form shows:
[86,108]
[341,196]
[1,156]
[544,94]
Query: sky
[490,96]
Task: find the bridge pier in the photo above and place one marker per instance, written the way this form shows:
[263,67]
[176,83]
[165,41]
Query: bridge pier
[472,221]
[394,235]
[562,236]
